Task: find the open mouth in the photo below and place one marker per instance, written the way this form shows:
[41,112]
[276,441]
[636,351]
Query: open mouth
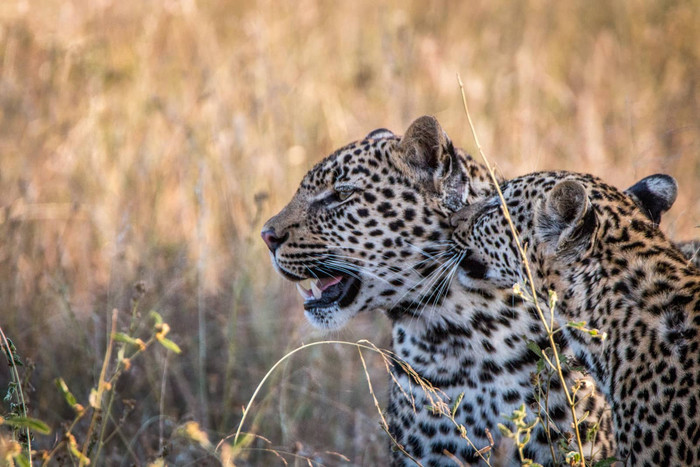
[327,291]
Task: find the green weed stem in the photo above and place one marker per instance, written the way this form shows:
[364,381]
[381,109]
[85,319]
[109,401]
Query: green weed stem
[15,375]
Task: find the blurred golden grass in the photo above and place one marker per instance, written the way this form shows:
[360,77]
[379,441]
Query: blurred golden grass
[150,140]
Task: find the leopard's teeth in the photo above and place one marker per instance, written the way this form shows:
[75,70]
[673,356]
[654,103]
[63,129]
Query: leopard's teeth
[312,292]
[316,291]
[305,293]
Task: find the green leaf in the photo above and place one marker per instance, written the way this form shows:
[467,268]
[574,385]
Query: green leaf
[11,353]
[32,423]
[540,365]
[156,317]
[127,339]
[63,387]
[591,433]
[563,360]
[456,406]
[505,431]
[170,345]
[76,452]
[532,345]
[22,460]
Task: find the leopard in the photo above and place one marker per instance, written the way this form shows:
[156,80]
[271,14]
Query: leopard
[366,231]
[627,297]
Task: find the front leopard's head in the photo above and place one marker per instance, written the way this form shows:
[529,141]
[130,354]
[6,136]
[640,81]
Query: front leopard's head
[367,221]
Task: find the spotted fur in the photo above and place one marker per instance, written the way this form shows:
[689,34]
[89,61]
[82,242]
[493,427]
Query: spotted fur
[376,213]
[613,269]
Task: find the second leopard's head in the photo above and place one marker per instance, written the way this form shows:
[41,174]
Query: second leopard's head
[367,223]
[551,210]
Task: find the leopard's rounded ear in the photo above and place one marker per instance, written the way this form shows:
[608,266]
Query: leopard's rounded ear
[568,201]
[426,153]
[566,221]
[424,143]
[654,195]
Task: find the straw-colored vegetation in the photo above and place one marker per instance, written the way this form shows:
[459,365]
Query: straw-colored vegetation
[148,141]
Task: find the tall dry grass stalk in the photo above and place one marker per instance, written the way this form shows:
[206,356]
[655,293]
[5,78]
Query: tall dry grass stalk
[112,113]
[555,362]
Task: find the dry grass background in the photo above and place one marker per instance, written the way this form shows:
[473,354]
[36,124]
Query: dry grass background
[150,141]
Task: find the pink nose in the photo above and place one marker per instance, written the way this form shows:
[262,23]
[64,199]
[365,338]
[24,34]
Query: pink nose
[271,240]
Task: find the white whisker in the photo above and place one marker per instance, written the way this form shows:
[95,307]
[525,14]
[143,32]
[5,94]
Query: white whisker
[452,266]
[437,285]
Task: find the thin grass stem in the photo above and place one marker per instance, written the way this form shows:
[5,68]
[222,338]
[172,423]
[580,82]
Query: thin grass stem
[528,271]
[101,386]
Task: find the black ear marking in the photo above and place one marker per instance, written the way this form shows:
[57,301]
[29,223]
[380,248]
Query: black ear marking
[654,195]
[380,133]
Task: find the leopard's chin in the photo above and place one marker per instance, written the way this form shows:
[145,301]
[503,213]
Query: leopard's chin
[329,318]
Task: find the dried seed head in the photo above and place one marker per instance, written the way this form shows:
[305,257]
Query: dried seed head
[139,291]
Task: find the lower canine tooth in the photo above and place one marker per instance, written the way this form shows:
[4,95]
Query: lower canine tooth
[316,291]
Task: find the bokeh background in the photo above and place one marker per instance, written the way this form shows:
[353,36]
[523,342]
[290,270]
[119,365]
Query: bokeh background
[149,141]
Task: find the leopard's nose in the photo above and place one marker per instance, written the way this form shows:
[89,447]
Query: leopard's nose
[272,240]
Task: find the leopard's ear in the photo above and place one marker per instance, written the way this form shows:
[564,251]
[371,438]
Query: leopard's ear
[428,154]
[566,221]
[654,195]
[423,144]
